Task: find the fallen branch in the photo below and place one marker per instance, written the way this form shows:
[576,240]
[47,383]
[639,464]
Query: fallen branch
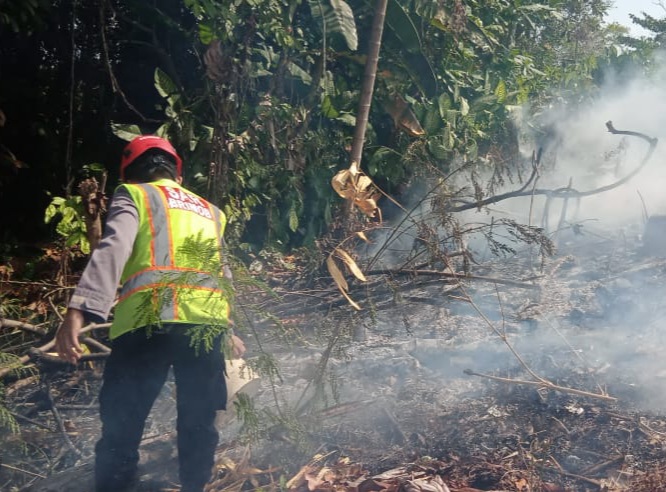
[570,475]
[41,351]
[91,342]
[538,380]
[38,355]
[35,330]
[542,383]
[59,422]
[457,276]
[599,467]
[565,192]
[21,470]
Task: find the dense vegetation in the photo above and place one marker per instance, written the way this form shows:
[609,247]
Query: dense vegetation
[260,96]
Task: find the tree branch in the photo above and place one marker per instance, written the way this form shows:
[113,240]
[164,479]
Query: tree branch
[566,192]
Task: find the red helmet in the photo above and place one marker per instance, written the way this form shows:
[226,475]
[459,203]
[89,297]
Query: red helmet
[143,143]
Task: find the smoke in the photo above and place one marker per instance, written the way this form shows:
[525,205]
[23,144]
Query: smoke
[606,320]
[580,150]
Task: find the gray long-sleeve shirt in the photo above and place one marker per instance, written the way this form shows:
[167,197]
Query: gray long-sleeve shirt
[97,288]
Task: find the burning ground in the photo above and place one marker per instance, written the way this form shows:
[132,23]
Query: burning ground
[526,377]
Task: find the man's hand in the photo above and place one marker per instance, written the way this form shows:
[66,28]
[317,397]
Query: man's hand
[67,337]
[237,347]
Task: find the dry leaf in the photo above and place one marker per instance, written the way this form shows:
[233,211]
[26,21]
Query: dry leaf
[403,116]
[336,274]
[351,264]
[368,204]
[356,186]
[362,235]
[521,484]
[350,300]
[299,478]
[426,484]
[363,183]
[373,485]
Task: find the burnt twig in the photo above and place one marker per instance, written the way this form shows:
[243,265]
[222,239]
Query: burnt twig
[541,383]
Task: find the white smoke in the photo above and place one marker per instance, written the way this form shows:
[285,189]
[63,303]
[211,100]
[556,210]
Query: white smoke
[589,156]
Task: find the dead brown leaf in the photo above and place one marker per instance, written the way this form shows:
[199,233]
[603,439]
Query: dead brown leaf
[351,264]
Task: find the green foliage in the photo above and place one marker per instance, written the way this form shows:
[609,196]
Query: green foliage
[284,95]
[248,415]
[335,17]
[14,365]
[71,226]
[196,256]
[126,132]
[23,15]
[7,420]
[260,96]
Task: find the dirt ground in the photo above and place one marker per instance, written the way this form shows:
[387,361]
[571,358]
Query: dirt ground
[551,382]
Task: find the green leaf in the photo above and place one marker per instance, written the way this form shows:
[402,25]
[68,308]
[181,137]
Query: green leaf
[327,108]
[437,149]
[402,26]
[347,119]
[74,239]
[464,106]
[95,167]
[299,73]
[293,219]
[163,83]
[336,18]
[163,130]
[343,20]
[432,121]
[206,34]
[500,91]
[50,212]
[328,84]
[125,132]
[444,103]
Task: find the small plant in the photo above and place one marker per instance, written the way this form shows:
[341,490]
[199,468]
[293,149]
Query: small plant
[72,226]
[12,364]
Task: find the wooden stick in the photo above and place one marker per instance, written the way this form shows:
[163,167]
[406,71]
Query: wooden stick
[8,323]
[542,384]
[97,344]
[591,470]
[13,468]
[59,421]
[457,276]
[48,346]
[571,475]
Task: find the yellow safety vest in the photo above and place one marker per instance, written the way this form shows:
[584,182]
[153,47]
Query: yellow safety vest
[175,271]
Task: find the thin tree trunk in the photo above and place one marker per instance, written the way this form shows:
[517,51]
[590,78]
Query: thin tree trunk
[365,100]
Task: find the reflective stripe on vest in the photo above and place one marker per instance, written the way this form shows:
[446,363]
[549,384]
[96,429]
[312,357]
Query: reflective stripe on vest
[157,211]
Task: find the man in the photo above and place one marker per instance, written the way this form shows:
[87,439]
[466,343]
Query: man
[164,246]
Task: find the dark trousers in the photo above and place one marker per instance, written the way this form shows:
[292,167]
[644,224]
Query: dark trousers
[133,378]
